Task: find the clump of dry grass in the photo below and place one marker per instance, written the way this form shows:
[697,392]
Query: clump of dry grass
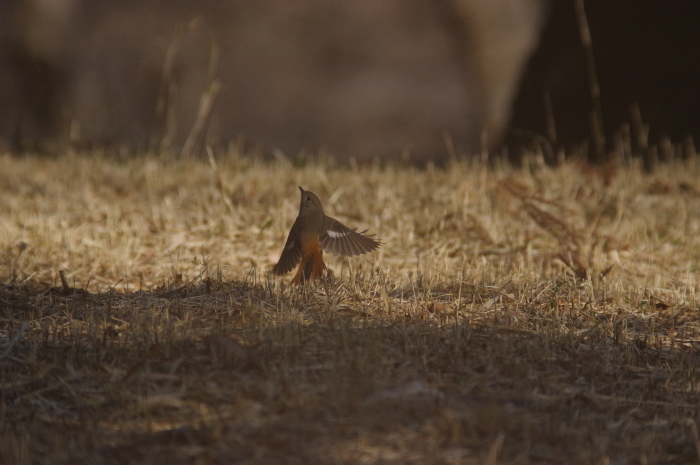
[532,315]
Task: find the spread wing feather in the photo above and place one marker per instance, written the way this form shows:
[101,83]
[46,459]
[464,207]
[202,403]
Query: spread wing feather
[339,239]
[291,255]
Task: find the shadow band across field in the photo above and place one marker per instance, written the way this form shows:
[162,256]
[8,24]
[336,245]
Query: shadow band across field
[229,372]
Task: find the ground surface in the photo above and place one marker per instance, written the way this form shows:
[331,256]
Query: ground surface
[539,315]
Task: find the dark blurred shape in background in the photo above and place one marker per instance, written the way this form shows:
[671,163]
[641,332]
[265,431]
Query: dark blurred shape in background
[647,63]
[360,79]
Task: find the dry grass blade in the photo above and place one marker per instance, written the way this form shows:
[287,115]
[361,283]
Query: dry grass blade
[574,254]
[459,341]
[554,226]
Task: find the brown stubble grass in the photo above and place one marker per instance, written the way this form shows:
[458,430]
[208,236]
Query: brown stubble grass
[512,316]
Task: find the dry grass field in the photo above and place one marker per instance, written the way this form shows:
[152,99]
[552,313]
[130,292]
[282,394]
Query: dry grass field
[531,315]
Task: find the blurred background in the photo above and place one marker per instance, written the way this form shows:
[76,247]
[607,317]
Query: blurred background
[413,81]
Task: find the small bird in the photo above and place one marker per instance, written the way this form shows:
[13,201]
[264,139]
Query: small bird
[312,233]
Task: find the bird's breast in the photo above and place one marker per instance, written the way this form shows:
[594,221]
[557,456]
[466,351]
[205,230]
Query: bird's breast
[309,243]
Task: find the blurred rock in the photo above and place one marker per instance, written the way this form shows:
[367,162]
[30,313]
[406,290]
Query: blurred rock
[359,79]
[362,79]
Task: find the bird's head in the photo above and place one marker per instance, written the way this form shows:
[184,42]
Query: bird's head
[309,202]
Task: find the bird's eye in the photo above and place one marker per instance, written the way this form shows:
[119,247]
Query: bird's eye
[308,198]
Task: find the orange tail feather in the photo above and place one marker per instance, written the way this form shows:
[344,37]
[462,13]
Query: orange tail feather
[310,268]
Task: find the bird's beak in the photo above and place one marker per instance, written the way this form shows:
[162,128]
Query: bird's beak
[302,190]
